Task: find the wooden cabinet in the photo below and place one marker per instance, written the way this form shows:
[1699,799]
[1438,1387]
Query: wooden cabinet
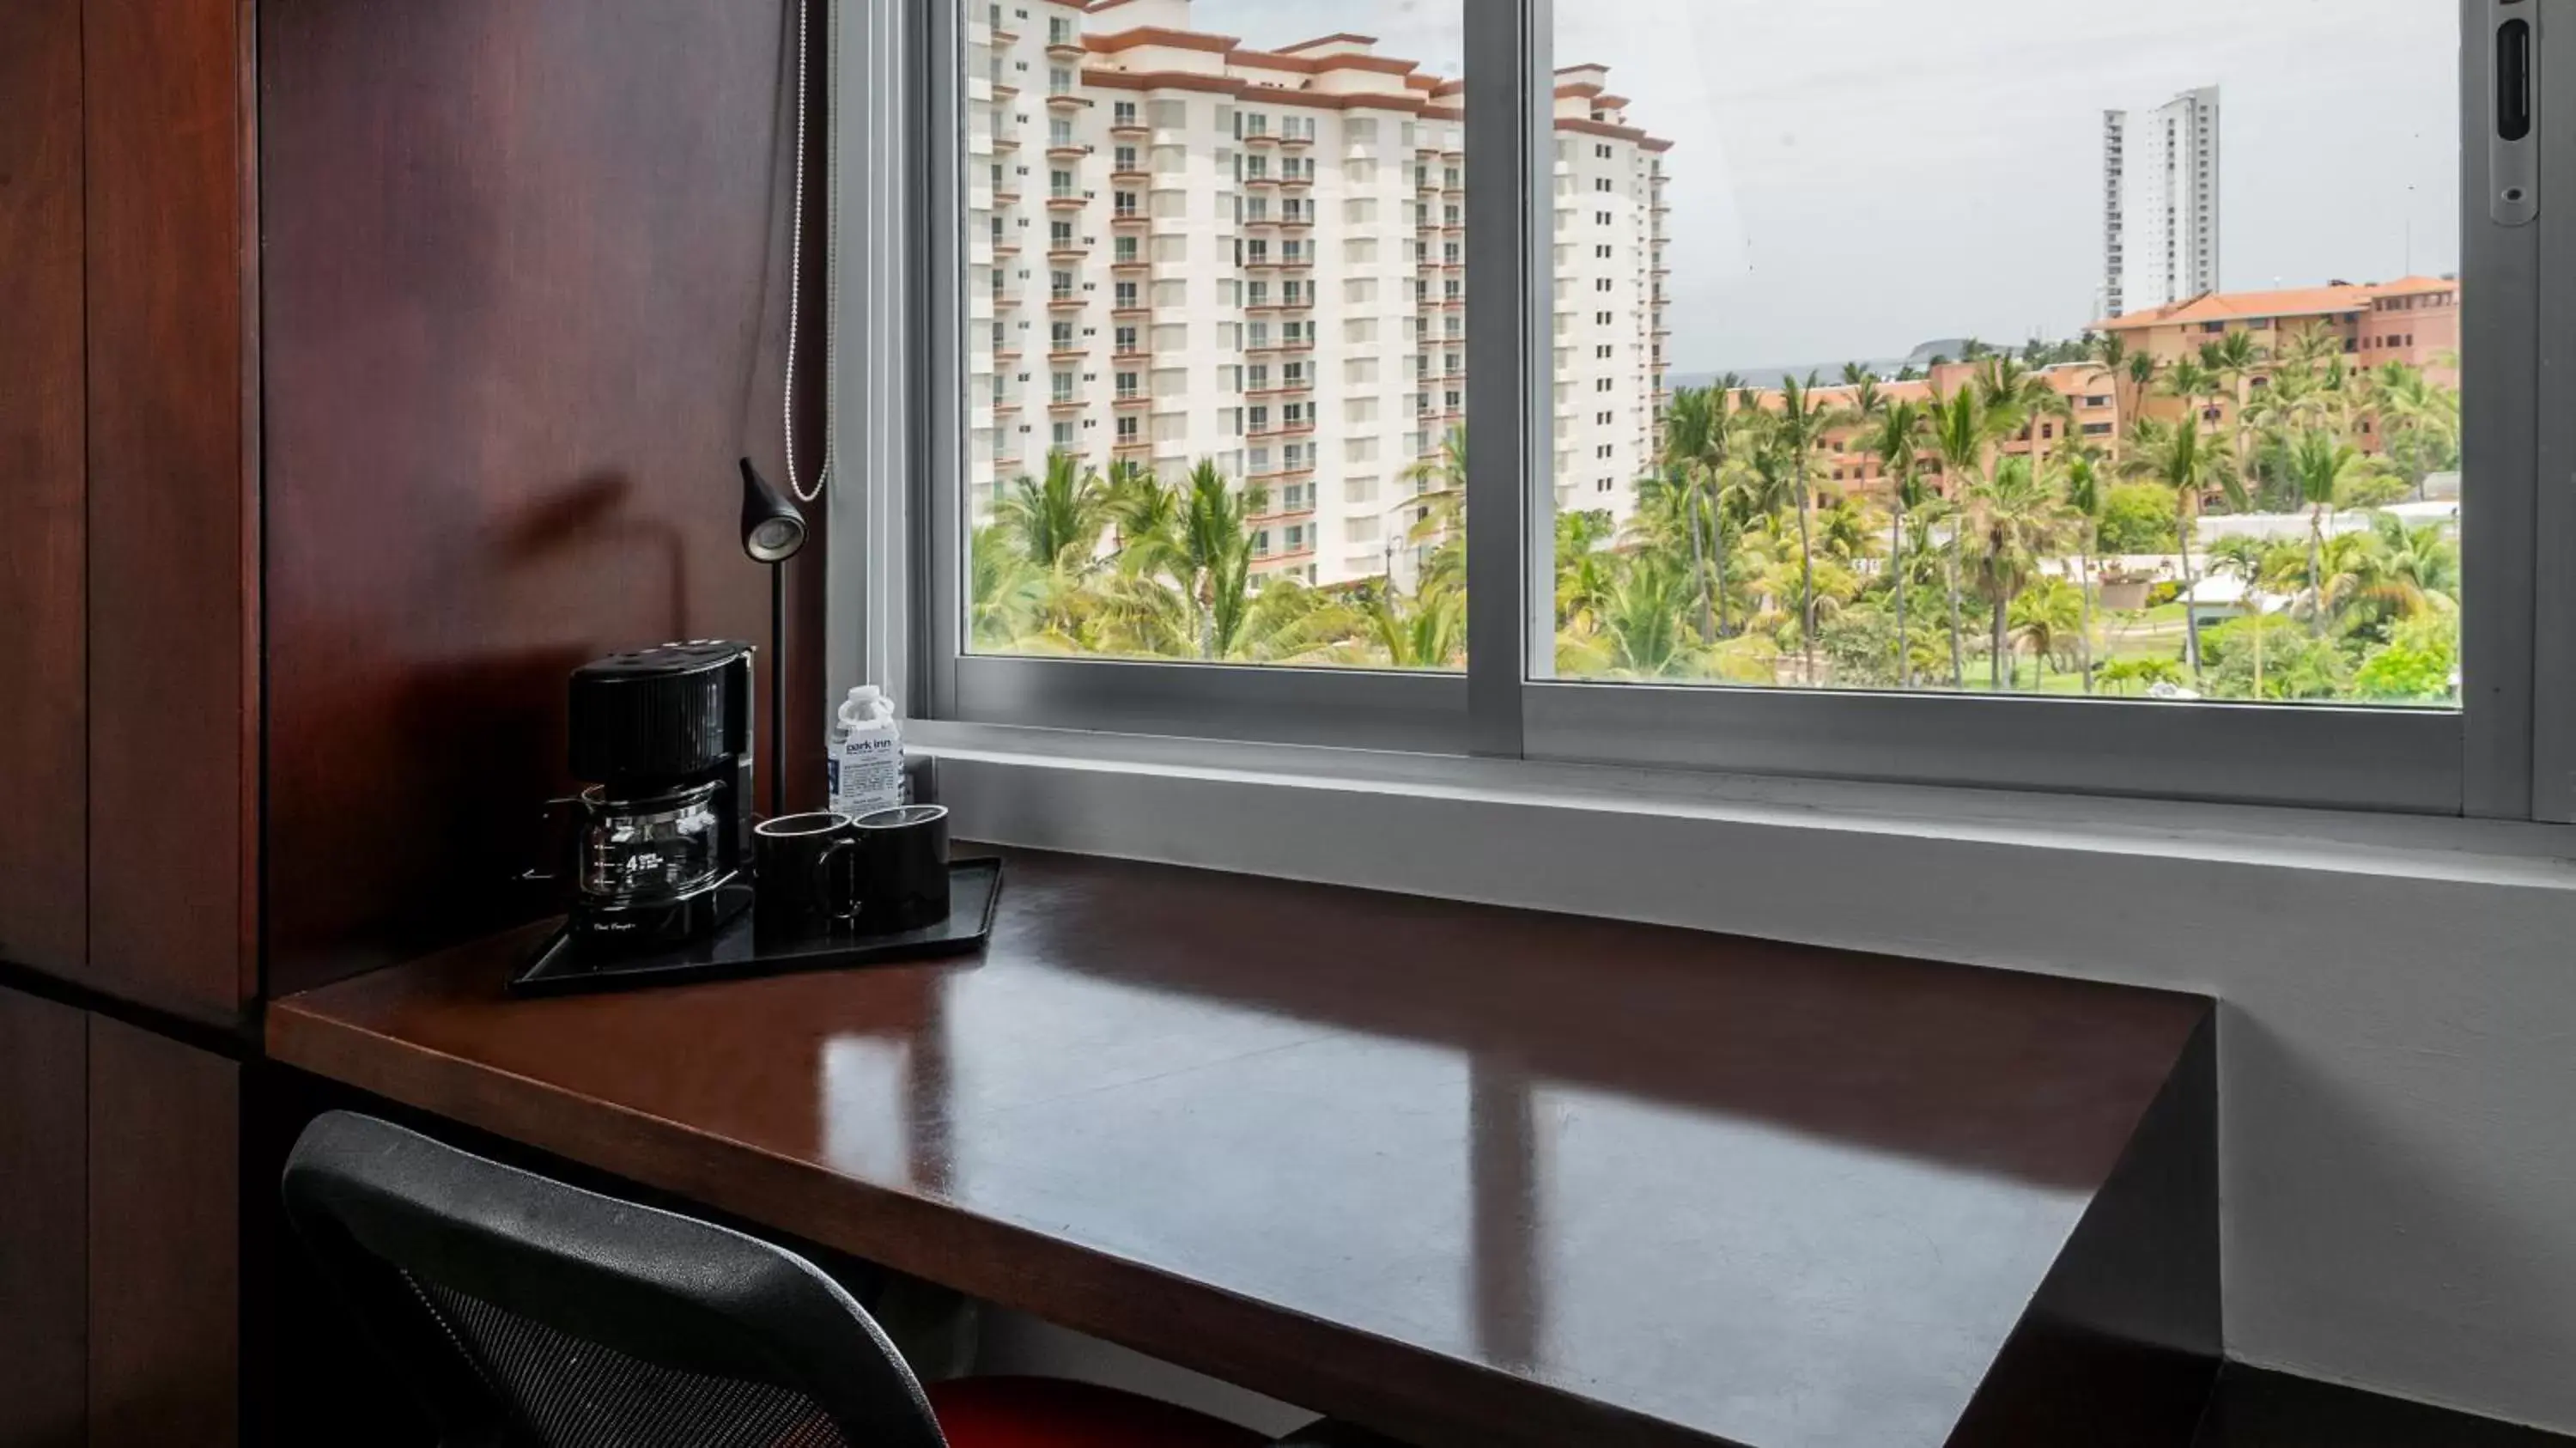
[119,1243]
[128,591]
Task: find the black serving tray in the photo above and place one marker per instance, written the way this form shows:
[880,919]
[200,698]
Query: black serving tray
[559,967]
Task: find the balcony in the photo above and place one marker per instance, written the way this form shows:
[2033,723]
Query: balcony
[1003,90]
[1297,141]
[1263,180]
[1064,45]
[1006,140]
[1065,354]
[1066,150]
[1066,201]
[1130,175]
[1002,196]
[1301,182]
[1005,300]
[1132,447]
[1130,217]
[1064,406]
[1259,138]
[1129,125]
[1130,311]
[1065,301]
[1260,261]
[1133,352]
[1065,100]
[1130,262]
[1002,246]
[1297,221]
[1129,401]
[1069,249]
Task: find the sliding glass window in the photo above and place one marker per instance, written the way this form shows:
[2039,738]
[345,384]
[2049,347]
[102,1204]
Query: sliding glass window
[1998,392]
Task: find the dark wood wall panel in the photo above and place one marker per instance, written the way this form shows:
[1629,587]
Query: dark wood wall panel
[43,1265]
[524,304]
[164,1243]
[43,744]
[171,600]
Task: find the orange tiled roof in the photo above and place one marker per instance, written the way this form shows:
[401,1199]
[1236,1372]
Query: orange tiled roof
[2295,302]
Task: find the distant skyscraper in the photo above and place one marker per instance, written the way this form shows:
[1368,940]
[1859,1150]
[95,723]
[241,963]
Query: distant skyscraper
[2160,223]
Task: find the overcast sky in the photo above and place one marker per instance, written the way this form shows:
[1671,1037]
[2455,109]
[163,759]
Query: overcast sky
[1854,177]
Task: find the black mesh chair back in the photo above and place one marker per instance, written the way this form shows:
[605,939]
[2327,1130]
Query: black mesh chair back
[531,1314]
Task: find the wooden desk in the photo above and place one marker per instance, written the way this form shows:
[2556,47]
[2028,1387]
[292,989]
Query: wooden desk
[1469,1175]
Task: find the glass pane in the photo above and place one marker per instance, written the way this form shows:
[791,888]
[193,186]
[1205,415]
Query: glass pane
[1216,332]
[1961,381]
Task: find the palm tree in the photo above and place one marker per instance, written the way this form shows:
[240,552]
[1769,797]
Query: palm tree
[2321,464]
[1057,521]
[2230,361]
[1007,591]
[1193,534]
[1896,440]
[1959,433]
[2191,380]
[2181,458]
[2081,477]
[1795,428]
[1440,480]
[2042,617]
[2015,517]
[1423,631]
[2244,557]
[2016,398]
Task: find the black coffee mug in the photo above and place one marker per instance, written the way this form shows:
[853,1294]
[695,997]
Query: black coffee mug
[903,868]
[808,870]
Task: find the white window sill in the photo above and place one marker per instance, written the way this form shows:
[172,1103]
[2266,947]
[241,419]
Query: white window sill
[1079,791]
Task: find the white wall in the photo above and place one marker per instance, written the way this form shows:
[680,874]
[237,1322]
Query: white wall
[2398,1037]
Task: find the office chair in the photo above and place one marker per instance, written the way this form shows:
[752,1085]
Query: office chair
[531,1314]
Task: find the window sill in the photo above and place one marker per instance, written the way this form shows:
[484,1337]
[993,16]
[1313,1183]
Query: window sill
[2067,884]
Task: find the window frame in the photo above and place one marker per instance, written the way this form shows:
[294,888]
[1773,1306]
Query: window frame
[2494,757]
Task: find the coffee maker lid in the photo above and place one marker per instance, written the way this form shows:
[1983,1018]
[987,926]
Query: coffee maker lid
[649,716]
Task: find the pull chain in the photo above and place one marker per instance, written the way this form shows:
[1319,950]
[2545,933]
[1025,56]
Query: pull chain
[796,273]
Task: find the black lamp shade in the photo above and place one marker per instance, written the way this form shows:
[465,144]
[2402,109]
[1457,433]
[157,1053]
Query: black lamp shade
[772,529]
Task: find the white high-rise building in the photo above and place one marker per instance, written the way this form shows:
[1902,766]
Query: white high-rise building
[2160,220]
[1185,249]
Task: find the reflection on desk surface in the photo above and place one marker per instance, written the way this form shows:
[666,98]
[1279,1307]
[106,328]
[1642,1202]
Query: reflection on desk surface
[1784,1195]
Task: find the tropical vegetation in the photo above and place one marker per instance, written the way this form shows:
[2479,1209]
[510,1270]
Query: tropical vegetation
[1992,549]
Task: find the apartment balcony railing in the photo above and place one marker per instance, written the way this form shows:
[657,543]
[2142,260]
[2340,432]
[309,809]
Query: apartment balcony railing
[1131,352]
[1260,261]
[1006,354]
[1067,250]
[1003,245]
[1130,175]
[1005,196]
[1297,140]
[1300,182]
[1066,200]
[1064,47]
[1124,310]
[1260,179]
[1127,216]
[1006,300]
[1066,150]
[1130,262]
[1006,139]
[1129,125]
[1003,90]
[1297,220]
[1259,138]
[1065,100]
[1126,400]
[1132,447]
[1065,301]
[1065,354]
[1296,261]
[1064,406]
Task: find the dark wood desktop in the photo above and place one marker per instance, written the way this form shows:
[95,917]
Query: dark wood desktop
[1468,1175]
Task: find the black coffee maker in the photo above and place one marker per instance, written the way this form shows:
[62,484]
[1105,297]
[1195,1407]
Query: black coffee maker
[663,851]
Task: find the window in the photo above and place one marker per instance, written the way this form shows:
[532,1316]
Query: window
[2018,593]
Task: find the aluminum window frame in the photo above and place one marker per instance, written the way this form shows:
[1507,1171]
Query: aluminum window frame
[2497,756]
